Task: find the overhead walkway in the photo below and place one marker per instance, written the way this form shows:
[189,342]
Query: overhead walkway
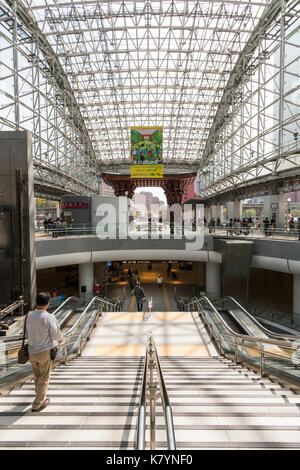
[97,396]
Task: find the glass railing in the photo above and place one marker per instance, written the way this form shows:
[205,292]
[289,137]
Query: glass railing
[270,314]
[83,315]
[165,229]
[276,357]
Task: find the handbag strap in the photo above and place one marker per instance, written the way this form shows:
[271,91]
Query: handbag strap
[24,331]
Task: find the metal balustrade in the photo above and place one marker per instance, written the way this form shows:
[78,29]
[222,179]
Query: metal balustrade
[152,378]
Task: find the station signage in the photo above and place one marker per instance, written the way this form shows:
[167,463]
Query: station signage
[74,205]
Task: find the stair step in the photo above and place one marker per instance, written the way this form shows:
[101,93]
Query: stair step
[236,445]
[134,399]
[84,436]
[159,427]
[159,445]
[76,445]
[250,388]
[216,404]
[52,419]
[234,394]
[116,439]
[109,407]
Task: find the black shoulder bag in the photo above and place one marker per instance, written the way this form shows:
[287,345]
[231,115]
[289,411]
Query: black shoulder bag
[23,355]
[53,353]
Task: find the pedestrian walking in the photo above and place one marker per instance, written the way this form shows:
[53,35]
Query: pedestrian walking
[131,285]
[159,281]
[139,296]
[237,226]
[230,227]
[169,269]
[41,329]
[266,223]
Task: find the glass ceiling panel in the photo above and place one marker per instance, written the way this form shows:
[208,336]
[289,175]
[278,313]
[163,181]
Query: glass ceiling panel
[147,62]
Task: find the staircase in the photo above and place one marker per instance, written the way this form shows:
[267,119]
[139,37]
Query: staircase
[219,405]
[94,405]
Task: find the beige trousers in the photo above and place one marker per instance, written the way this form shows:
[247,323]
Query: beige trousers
[41,366]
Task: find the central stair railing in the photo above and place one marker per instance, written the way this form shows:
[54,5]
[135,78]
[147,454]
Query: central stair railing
[149,394]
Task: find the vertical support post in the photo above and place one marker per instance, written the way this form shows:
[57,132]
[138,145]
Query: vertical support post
[261,361]
[236,355]
[15,65]
[281,83]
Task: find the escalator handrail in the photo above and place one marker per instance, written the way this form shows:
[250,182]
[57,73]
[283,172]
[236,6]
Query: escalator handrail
[265,330]
[232,333]
[14,344]
[274,342]
[259,343]
[17,339]
[102,300]
[82,314]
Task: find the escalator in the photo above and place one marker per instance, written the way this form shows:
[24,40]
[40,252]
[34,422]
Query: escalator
[72,306]
[242,338]
[233,322]
[239,316]
[285,360]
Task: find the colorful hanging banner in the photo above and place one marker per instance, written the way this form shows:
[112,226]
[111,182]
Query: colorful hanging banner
[146,152]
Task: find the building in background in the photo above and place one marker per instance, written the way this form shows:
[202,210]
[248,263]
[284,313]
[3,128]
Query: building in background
[191,191]
[145,202]
[105,190]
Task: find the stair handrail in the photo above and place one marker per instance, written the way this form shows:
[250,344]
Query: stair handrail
[166,403]
[141,427]
[150,385]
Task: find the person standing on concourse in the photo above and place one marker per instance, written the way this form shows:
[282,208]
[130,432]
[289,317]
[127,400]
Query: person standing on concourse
[140,296]
[41,329]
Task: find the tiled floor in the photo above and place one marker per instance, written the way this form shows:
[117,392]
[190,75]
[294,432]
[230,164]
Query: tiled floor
[125,334]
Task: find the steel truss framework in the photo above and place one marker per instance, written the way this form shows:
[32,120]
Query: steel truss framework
[222,77]
[35,95]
